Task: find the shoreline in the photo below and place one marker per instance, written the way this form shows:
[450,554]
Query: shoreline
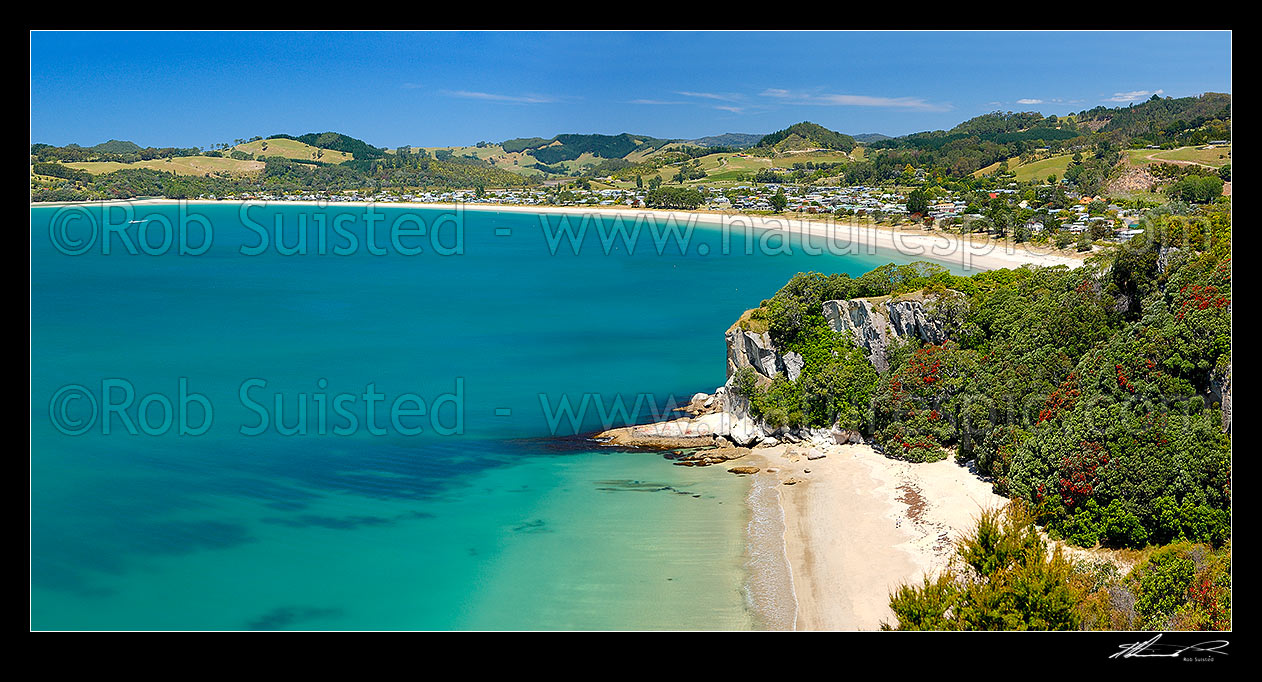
[832,529]
[859,524]
[859,238]
[828,538]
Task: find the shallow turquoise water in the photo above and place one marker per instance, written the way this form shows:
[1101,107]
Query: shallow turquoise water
[492,527]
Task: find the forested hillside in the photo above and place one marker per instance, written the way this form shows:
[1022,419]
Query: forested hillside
[1143,148]
[992,138]
[1185,120]
[1096,395]
[807,135]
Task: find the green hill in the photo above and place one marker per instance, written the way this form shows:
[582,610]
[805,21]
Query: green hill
[807,135]
[338,142]
[1160,119]
[117,147]
[568,147]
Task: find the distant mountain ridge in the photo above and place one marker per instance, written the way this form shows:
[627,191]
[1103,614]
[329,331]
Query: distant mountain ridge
[969,147]
[737,140]
[870,137]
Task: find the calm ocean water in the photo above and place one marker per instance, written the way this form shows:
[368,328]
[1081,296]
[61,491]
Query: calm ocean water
[478,521]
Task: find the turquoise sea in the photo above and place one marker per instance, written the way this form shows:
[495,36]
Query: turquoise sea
[493,516]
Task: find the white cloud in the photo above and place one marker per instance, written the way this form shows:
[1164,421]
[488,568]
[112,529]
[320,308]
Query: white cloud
[495,97]
[825,99]
[722,97]
[1029,101]
[1133,95]
[655,101]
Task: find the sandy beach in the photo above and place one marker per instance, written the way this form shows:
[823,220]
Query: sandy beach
[842,236]
[971,252]
[858,524]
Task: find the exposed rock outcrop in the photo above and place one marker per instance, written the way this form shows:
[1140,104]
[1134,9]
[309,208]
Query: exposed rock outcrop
[1220,391]
[877,324]
[793,364]
[752,349]
[708,457]
[1167,256]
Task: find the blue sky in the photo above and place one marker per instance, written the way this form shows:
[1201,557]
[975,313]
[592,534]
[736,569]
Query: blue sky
[429,89]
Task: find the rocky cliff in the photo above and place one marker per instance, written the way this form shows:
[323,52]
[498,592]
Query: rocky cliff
[1220,391]
[877,325]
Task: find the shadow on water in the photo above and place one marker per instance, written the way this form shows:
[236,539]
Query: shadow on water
[290,616]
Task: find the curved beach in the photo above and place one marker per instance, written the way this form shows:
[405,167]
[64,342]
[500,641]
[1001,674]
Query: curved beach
[858,524]
[966,252]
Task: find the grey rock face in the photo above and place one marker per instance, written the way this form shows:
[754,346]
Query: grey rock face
[1220,390]
[749,349]
[908,319]
[860,319]
[1167,256]
[876,326]
[844,436]
[731,402]
[793,364]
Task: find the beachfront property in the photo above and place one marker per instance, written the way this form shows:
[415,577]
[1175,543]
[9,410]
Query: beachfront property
[854,201]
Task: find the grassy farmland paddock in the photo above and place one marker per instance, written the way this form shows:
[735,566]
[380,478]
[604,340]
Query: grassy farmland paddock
[1039,170]
[292,149]
[787,159]
[1035,170]
[1215,157]
[730,166]
[180,165]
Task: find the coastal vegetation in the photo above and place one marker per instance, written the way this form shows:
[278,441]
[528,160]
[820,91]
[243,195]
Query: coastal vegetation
[674,197]
[1098,396]
[1006,576]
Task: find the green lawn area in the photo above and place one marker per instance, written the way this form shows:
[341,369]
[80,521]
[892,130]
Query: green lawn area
[730,166]
[100,167]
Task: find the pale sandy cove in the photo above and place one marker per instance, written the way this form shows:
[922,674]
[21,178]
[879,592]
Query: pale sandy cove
[859,524]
